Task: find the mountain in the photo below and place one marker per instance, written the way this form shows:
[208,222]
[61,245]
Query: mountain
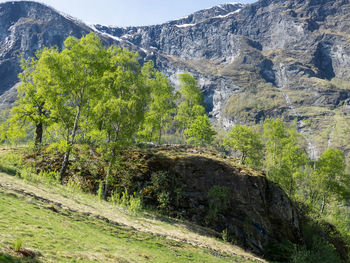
[272,58]
[24,28]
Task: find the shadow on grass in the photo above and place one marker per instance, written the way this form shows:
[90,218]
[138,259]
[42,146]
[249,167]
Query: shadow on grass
[8,170]
[5,258]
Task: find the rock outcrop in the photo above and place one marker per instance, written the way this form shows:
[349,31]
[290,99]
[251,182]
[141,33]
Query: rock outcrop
[211,190]
[258,212]
[201,186]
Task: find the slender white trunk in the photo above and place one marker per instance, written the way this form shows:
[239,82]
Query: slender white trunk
[71,139]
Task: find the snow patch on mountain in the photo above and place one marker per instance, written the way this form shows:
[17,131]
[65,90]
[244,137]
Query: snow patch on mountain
[105,34]
[185,25]
[229,14]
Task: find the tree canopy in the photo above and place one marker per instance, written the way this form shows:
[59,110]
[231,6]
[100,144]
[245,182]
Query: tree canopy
[248,142]
[191,105]
[284,155]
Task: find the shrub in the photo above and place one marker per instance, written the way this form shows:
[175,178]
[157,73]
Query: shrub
[135,204]
[319,251]
[74,185]
[164,200]
[49,176]
[166,188]
[28,176]
[124,200]
[100,191]
[280,251]
[225,235]
[131,202]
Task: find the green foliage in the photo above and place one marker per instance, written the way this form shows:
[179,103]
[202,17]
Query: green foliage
[191,105]
[103,98]
[13,159]
[89,94]
[189,90]
[284,157]
[13,132]
[191,118]
[225,235]
[130,202]
[100,191]
[200,132]
[31,108]
[164,200]
[330,170]
[28,175]
[339,216]
[48,176]
[319,250]
[161,107]
[280,251]
[166,188]
[135,204]
[17,245]
[121,102]
[74,185]
[247,141]
[329,177]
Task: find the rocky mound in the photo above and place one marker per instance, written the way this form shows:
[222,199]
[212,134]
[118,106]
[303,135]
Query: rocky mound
[204,187]
[230,199]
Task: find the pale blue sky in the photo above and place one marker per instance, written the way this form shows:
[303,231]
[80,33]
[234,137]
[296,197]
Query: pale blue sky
[131,12]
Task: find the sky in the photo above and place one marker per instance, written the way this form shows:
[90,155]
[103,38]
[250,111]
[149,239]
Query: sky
[131,12]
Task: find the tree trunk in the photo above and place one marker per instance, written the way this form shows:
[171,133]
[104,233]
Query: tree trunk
[109,171]
[243,158]
[70,145]
[323,204]
[39,128]
[160,133]
[39,134]
[290,186]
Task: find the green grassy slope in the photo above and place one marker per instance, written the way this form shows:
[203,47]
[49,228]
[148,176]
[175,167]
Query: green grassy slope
[58,234]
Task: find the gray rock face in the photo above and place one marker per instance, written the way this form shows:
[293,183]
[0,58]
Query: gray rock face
[26,27]
[273,58]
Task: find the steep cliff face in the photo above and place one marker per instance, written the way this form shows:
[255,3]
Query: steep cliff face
[271,58]
[257,212]
[24,28]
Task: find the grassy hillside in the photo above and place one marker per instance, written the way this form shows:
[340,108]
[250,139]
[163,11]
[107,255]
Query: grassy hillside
[62,225]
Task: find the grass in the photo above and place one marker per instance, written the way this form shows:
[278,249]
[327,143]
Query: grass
[60,235]
[17,245]
[6,258]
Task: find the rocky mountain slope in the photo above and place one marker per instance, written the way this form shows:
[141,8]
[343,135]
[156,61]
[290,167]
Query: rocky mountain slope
[272,58]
